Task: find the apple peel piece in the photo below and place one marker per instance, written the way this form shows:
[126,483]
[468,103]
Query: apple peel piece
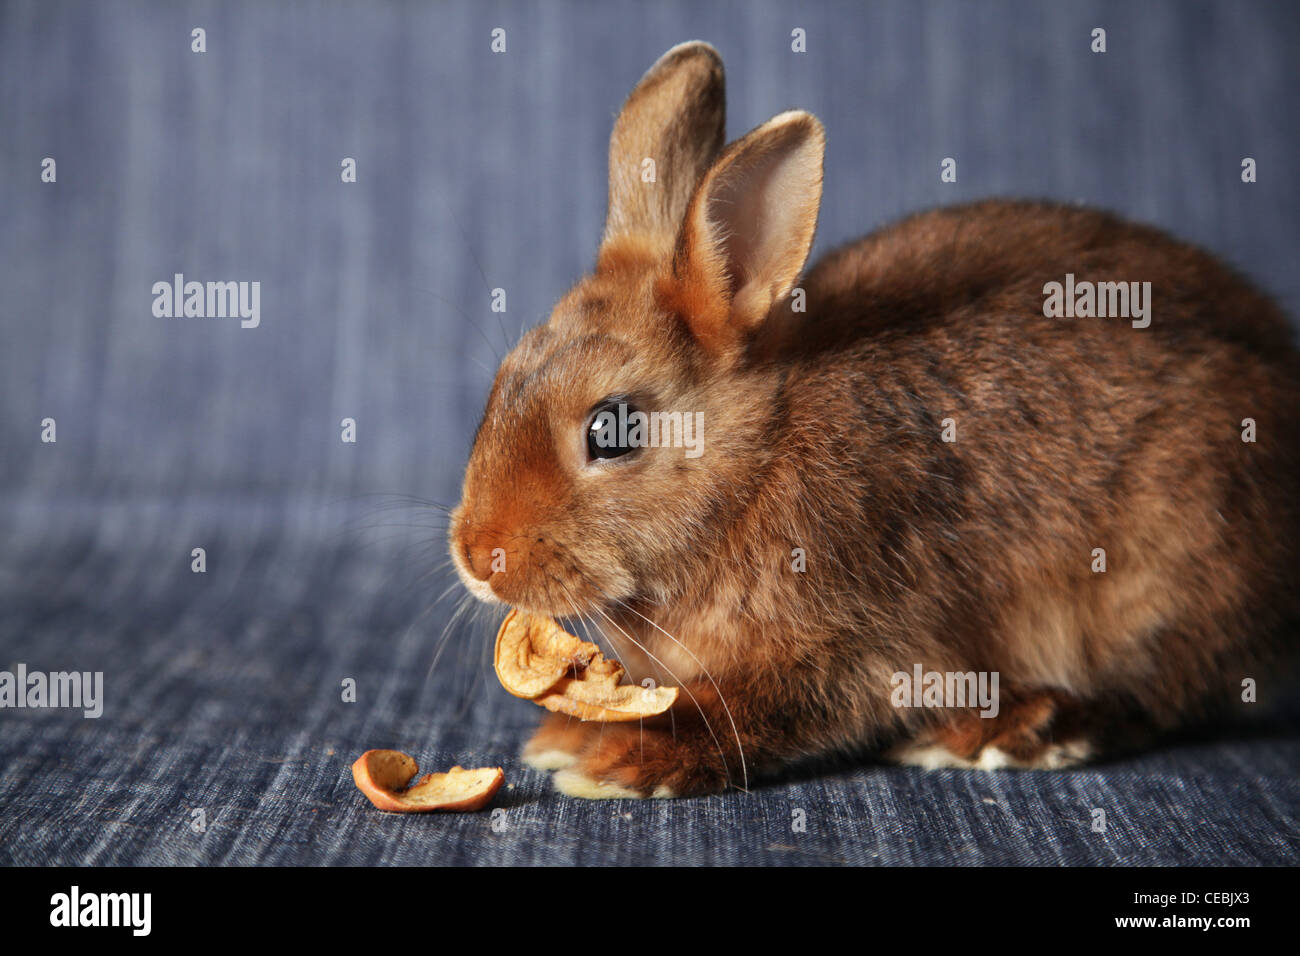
[383,775]
[538,660]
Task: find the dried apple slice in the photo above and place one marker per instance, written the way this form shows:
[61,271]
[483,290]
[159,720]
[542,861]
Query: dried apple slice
[588,701]
[538,660]
[534,653]
[382,775]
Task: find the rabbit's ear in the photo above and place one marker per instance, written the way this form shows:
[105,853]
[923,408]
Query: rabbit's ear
[671,128]
[748,229]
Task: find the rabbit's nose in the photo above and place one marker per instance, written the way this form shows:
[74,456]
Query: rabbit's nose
[478,556]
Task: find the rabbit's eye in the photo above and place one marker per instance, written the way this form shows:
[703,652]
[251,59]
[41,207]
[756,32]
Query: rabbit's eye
[612,430]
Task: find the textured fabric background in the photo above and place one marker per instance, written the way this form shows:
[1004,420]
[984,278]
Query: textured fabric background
[325,560]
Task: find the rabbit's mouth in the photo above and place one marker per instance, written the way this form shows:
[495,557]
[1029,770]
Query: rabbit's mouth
[480,589]
[535,574]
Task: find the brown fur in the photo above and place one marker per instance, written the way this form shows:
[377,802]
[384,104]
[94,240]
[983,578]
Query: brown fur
[823,432]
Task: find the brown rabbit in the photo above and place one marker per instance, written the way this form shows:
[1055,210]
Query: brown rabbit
[905,465]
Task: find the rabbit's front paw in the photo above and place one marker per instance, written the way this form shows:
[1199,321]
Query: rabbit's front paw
[556,743]
[626,761]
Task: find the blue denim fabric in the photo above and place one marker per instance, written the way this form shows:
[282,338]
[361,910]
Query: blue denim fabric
[478,171]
